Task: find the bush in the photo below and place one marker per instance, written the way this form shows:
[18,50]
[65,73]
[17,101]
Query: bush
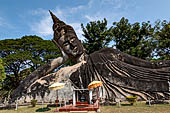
[131,100]
[33,102]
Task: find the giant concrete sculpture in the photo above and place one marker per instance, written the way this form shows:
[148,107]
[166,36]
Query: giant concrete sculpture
[122,75]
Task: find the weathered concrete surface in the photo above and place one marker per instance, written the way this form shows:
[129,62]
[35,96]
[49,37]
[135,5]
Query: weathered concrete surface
[124,75]
[39,88]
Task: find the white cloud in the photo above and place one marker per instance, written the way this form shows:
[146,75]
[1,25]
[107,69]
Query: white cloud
[94,10]
[90,18]
[96,17]
[112,10]
[117,3]
[78,8]
[43,27]
[59,13]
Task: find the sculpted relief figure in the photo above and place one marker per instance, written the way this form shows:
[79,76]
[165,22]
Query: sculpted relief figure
[122,75]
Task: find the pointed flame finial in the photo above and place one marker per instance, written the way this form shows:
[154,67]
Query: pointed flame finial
[55,19]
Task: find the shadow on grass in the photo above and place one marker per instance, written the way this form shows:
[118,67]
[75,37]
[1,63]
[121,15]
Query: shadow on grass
[126,105]
[43,109]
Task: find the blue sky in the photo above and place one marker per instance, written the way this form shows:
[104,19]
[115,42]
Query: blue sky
[31,17]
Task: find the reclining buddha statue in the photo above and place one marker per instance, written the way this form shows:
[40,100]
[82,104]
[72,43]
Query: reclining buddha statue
[122,75]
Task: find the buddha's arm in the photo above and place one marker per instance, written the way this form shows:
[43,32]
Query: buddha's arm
[58,61]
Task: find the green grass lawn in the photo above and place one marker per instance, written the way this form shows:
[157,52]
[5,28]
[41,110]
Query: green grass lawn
[140,107]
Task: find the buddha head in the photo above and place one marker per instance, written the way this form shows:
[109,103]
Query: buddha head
[66,38]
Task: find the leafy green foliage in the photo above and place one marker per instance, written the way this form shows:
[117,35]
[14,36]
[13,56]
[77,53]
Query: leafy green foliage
[22,56]
[131,100]
[97,35]
[2,77]
[2,74]
[2,71]
[134,39]
[162,37]
[142,40]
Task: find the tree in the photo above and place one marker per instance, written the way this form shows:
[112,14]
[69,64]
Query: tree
[162,37]
[2,76]
[97,35]
[2,72]
[22,56]
[134,39]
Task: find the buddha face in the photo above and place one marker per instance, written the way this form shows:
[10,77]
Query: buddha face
[68,41]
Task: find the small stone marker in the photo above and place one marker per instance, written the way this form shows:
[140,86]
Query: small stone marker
[16,104]
[117,101]
[149,102]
